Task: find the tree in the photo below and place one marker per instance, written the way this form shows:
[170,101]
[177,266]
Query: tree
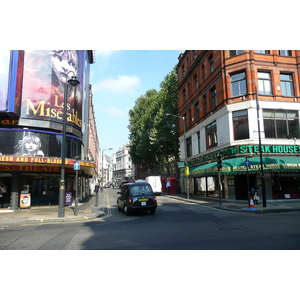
[153,137]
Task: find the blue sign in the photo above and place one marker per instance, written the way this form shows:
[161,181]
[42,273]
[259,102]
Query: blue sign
[76,165]
[247,163]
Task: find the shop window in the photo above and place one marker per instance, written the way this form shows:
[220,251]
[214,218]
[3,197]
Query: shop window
[264,83]
[281,124]
[211,135]
[238,84]
[240,124]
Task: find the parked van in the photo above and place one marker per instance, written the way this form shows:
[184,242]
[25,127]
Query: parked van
[155,183]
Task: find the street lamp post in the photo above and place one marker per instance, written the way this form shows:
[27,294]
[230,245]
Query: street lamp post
[62,188]
[260,154]
[185,149]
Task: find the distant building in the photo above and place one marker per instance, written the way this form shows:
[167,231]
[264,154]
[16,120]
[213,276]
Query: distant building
[218,100]
[122,166]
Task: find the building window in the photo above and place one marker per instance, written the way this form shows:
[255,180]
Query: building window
[204,105]
[185,120]
[264,83]
[235,52]
[211,64]
[189,147]
[197,111]
[182,70]
[198,139]
[184,95]
[195,54]
[196,81]
[281,124]
[202,73]
[211,135]
[240,124]
[286,81]
[213,93]
[262,51]
[285,52]
[238,84]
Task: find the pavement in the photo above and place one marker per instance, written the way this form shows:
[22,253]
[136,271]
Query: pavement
[90,210]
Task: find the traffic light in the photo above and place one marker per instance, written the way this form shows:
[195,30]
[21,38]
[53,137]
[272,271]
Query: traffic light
[219,161]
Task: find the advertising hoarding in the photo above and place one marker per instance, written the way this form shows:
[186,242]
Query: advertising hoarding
[11,75]
[44,82]
[38,143]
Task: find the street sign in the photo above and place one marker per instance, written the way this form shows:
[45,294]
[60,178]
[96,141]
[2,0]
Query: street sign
[247,163]
[76,165]
[181,164]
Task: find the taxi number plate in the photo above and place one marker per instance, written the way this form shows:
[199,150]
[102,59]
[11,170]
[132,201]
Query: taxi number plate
[143,203]
[143,199]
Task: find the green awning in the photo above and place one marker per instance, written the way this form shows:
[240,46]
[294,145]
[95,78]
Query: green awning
[237,166]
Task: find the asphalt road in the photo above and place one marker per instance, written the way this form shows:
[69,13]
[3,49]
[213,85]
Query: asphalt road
[177,225]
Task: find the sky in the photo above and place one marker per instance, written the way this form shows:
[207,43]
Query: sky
[118,78]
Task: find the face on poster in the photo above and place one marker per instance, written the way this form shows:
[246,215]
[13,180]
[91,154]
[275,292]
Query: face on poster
[44,83]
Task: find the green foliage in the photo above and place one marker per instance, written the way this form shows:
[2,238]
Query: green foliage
[153,136]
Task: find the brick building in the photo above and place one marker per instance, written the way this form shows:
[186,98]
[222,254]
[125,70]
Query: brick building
[221,94]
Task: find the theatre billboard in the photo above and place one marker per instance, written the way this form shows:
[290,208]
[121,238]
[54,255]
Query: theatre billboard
[45,75]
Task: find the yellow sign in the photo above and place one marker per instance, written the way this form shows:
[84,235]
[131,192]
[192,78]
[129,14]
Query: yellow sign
[186,171]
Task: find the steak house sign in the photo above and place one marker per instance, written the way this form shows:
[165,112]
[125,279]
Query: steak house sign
[244,149]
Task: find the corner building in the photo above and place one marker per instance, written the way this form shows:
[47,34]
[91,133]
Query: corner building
[32,90]
[224,97]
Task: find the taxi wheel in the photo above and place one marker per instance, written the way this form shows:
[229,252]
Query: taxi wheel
[126,211]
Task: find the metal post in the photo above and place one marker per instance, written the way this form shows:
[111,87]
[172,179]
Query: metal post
[62,187]
[248,188]
[260,154]
[220,186]
[185,149]
[76,198]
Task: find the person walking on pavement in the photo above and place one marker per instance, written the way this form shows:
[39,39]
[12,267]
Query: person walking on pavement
[168,186]
[96,189]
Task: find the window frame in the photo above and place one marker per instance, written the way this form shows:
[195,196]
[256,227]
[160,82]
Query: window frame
[233,53]
[264,80]
[236,116]
[274,125]
[291,84]
[211,135]
[238,81]
[285,52]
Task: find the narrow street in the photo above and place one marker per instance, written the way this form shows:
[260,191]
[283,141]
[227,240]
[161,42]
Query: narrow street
[177,225]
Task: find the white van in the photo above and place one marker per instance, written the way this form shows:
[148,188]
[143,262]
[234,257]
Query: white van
[155,183]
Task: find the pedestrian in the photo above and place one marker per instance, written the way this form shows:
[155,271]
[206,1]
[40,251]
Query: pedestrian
[256,196]
[168,186]
[96,189]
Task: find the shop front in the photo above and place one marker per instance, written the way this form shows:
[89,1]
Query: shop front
[38,179]
[282,177]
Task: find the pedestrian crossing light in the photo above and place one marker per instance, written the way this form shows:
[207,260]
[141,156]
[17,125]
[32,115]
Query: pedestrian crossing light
[219,161]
